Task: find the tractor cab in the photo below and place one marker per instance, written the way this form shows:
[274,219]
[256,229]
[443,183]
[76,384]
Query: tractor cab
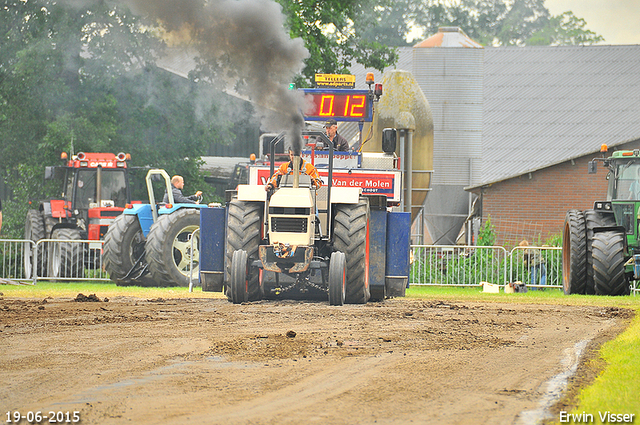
[623,193]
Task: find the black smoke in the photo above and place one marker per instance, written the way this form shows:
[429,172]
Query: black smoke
[248,46]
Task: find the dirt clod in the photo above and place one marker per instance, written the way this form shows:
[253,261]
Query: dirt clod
[83,298]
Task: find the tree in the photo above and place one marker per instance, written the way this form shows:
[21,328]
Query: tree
[331,30]
[389,22]
[489,22]
[564,29]
[83,78]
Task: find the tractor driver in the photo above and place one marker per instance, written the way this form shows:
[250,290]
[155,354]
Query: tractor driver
[177,184]
[287,167]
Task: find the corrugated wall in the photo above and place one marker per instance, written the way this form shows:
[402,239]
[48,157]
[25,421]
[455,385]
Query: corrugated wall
[451,79]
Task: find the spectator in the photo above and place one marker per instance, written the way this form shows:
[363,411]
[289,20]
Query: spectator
[535,263]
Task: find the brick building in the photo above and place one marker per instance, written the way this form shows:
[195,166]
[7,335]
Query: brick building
[532,206]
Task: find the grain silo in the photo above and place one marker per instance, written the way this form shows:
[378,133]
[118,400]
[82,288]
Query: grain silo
[448,67]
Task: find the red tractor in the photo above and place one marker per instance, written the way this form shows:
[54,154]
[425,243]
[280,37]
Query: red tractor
[94,191]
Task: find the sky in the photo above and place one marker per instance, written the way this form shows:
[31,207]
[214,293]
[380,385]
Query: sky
[615,20]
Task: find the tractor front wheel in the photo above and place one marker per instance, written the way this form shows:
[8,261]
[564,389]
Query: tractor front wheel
[239,279]
[337,278]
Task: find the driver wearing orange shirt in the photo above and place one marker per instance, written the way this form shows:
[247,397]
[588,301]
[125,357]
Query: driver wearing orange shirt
[287,167]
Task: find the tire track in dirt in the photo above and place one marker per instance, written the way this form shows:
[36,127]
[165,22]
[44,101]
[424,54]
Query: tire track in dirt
[292,400]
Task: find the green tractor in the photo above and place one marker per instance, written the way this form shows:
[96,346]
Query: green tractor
[601,246]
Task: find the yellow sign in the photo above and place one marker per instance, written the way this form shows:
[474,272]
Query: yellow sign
[335,80]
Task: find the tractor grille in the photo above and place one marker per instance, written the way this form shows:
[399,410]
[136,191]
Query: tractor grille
[289,224]
[289,210]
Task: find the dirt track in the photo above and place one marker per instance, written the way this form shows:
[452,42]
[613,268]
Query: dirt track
[207,361]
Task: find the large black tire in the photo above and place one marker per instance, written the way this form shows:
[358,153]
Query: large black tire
[239,277]
[124,244]
[337,278]
[243,233]
[608,264]
[594,219]
[34,231]
[574,253]
[168,248]
[66,259]
[351,227]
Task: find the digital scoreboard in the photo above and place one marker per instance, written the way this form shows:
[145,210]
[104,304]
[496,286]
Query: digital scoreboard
[339,104]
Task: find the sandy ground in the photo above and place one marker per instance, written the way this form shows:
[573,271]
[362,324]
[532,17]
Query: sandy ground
[182,361]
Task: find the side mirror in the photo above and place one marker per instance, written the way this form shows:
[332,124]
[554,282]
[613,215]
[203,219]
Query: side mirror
[389,140]
[593,167]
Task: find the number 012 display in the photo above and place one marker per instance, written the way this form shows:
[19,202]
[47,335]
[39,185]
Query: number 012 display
[341,104]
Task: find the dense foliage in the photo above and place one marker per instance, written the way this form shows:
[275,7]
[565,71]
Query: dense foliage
[84,79]
[489,22]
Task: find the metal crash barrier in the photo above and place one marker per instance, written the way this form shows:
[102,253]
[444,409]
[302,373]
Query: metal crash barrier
[51,259]
[192,237]
[537,267]
[69,260]
[16,257]
[460,265]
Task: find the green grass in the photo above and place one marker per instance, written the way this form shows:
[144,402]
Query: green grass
[615,390]
[101,289]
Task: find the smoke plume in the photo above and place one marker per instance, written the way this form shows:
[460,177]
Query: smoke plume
[245,41]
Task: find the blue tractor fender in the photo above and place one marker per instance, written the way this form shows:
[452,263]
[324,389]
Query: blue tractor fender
[144,214]
[175,207]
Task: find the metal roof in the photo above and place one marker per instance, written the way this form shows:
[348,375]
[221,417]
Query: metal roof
[547,105]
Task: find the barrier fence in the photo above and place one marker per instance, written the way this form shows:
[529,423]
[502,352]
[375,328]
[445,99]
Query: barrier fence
[460,265]
[470,265]
[51,259]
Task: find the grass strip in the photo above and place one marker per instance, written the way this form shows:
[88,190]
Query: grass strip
[615,391]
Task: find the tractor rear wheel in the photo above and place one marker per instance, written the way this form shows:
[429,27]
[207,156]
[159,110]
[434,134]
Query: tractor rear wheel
[594,219]
[243,233]
[169,251]
[34,231]
[337,278]
[574,253]
[608,264]
[123,247]
[66,258]
[350,236]
[239,278]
